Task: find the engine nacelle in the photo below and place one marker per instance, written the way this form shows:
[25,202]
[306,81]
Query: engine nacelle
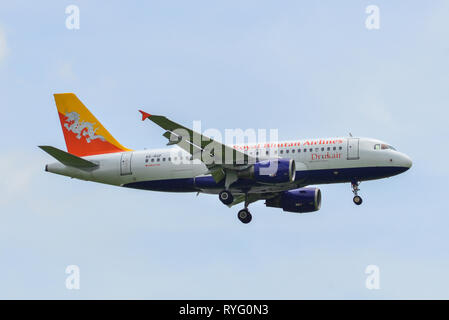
[272,171]
[298,200]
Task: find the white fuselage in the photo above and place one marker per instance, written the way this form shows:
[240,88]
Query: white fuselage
[318,161]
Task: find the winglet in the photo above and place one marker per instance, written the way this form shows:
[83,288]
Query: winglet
[144,115]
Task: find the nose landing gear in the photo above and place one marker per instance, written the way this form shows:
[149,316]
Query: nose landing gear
[355,189]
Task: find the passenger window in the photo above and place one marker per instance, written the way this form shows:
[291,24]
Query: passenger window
[335,148]
[322,149]
[267,153]
[282,151]
[328,148]
[311,150]
[158,159]
[305,150]
[146,160]
[286,151]
[152,159]
[293,150]
[163,159]
[169,159]
[299,150]
[340,148]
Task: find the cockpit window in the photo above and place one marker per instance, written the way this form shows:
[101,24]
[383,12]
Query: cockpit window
[383,147]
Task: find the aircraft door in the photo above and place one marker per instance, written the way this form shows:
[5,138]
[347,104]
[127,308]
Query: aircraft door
[353,148]
[125,163]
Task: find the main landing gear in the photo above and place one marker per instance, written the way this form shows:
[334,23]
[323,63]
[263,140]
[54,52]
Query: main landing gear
[244,215]
[227,198]
[355,189]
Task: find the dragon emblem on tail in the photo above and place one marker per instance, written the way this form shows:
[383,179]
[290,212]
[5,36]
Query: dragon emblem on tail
[81,128]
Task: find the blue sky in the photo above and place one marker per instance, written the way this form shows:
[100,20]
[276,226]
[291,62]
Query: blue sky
[309,69]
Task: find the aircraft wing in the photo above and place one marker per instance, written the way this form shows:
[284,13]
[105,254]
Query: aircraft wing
[252,197]
[220,159]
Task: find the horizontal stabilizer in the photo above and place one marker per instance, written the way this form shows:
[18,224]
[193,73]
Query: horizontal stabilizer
[68,159]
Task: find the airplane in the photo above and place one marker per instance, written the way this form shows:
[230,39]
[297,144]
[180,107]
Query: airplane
[280,173]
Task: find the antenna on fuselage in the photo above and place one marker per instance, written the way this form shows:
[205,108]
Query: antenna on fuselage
[350,134]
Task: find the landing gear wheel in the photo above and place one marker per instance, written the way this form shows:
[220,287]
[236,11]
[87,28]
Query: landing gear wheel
[244,216]
[355,189]
[357,200]
[226,197]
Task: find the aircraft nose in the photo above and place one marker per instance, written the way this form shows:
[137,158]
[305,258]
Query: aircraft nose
[406,161]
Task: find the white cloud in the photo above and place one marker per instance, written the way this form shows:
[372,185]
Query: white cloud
[3,45]
[16,177]
[65,71]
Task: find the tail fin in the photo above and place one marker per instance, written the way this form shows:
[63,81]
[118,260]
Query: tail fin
[84,134]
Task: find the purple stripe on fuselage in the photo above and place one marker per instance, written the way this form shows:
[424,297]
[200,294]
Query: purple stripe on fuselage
[306,177]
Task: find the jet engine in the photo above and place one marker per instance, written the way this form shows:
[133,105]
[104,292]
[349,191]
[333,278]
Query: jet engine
[298,200]
[271,171]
